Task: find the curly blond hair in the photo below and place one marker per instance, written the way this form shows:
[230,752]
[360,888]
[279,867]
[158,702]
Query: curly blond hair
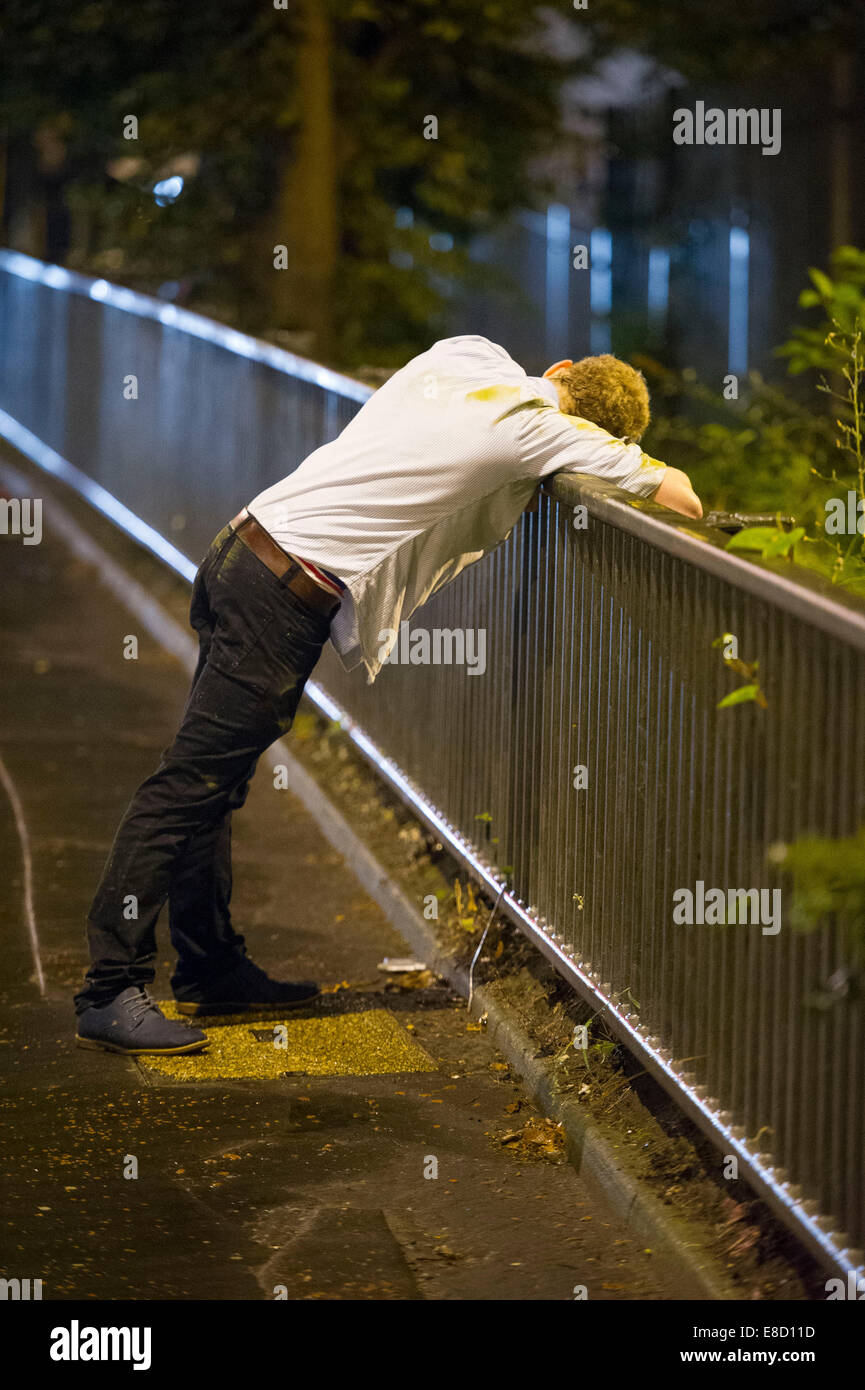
[608,392]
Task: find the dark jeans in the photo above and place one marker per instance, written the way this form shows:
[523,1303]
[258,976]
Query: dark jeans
[258,644]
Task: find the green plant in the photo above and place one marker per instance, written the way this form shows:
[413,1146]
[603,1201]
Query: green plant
[836,347]
[828,878]
[763,452]
[848,343]
[771,541]
[744,694]
[841,297]
[772,450]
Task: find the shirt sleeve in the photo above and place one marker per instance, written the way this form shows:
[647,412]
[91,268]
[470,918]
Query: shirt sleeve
[552,442]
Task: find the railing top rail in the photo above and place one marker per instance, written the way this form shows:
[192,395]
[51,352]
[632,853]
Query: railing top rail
[797,590]
[145,306]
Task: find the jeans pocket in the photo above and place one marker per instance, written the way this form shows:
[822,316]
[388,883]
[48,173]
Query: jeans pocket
[301,617]
[243,599]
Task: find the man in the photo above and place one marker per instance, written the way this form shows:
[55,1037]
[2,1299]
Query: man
[431,474]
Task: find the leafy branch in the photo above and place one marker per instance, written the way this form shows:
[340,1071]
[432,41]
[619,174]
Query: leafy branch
[752,692]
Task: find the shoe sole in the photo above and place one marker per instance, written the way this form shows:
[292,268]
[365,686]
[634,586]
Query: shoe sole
[192,1010]
[94,1045]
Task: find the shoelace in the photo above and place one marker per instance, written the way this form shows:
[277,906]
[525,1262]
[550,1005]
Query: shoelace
[141,1004]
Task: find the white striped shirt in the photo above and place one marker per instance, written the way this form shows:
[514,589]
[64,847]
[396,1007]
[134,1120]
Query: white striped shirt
[431,474]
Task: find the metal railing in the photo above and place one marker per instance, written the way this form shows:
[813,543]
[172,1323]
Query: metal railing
[598,655]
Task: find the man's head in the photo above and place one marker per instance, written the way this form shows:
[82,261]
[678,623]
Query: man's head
[606,391]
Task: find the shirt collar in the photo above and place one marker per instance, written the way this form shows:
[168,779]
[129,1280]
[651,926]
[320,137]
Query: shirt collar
[546,388]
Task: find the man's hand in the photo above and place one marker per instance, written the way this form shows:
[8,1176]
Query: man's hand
[676,493]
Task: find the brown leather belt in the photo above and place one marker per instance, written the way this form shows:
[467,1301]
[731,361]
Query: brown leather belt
[279,562]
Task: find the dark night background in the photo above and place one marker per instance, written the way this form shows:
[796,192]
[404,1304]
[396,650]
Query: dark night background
[306,127]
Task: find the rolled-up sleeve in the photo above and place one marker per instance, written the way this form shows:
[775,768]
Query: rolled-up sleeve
[551,442]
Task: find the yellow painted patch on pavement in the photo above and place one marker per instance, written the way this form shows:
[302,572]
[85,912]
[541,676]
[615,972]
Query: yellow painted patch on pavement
[371,1043]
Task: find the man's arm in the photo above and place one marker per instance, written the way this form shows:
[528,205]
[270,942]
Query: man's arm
[549,442]
[675,492]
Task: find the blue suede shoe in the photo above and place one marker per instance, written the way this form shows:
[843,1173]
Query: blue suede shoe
[133,1023]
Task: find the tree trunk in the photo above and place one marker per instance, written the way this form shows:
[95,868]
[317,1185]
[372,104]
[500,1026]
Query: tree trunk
[841,138]
[306,214]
